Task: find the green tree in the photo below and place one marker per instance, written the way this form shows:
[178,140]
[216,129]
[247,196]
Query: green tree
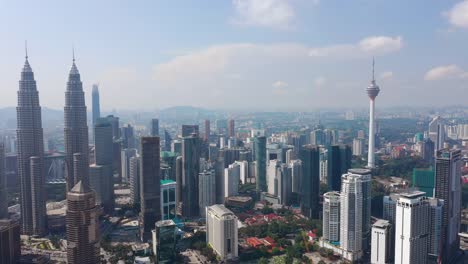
[263,261]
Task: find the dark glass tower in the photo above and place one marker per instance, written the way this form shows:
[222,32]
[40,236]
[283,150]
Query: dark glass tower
[310,196]
[339,162]
[3,191]
[260,157]
[155,127]
[76,129]
[30,155]
[190,170]
[150,186]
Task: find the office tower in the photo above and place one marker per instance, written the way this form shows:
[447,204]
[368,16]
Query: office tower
[190,170]
[103,149]
[221,231]
[134,180]
[167,141]
[448,188]
[389,207]
[338,162]
[355,211]
[30,155]
[436,131]
[260,158]
[290,156]
[125,156]
[310,195]
[222,126]
[358,147]
[412,228]
[114,120]
[188,130]
[3,182]
[219,175]
[273,170]
[296,175]
[150,193]
[155,127]
[164,241]
[82,225]
[207,187]
[117,160]
[168,199]
[244,171]
[206,137]
[231,180]
[428,150]
[381,244]
[10,242]
[372,91]
[76,129]
[231,128]
[127,135]
[285,185]
[436,218]
[424,180]
[331,216]
[96,104]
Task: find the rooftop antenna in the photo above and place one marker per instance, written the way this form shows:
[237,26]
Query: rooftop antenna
[26,48]
[373,67]
[73,52]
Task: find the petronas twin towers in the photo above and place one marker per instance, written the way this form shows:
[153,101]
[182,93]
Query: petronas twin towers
[83,244]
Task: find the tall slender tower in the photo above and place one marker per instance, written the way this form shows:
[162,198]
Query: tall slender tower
[372,91]
[76,129]
[96,104]
[30,155]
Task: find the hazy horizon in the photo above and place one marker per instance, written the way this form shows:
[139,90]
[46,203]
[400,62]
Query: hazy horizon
[238,55]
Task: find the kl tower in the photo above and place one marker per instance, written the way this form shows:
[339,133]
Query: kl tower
[372,91]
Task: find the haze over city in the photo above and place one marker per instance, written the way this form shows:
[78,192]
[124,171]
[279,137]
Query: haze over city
[258,55]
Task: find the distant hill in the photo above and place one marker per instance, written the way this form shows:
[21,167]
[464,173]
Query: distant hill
[49,117]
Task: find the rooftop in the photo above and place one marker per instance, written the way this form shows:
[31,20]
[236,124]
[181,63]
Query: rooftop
[166,182]
[381,223]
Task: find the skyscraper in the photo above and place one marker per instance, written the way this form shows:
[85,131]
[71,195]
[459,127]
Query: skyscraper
[188,130]
[448,188]
[355,212]
[190,170]
[231,128]
[155,127]
[412,228]
[310,195]
[338,163]
[76,129]
[103,152]
[231,180]
[150,182]
[207,130]
[82,225]
[167,141]
[372,91]
[381,251]
[331,216]
[30,155]
[96,104]
[221,231]
[260,158]
[135,180]
[207,187]
[3,191]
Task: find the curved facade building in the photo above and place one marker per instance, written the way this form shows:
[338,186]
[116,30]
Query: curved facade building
[76,129]
[30,155]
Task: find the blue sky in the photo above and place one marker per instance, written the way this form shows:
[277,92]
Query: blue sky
[240,54]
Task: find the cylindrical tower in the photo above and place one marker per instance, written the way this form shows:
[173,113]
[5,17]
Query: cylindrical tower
[372,91]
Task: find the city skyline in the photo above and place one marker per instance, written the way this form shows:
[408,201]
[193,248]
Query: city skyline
[219,54]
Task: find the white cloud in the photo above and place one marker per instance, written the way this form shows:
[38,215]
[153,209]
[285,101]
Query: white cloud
[266,13]
[320,81]
[386,75]
[445,72]
[458,15]
[374,45]
[280,84]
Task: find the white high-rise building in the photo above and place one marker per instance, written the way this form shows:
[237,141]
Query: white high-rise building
[207,189]
[231,180]
[372,91]
[355,212]
[273,169]
[296,175]
[381,244]
[358,146]
[221,231]
[244,170]
[412,228]
[331,216]
[126,155]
